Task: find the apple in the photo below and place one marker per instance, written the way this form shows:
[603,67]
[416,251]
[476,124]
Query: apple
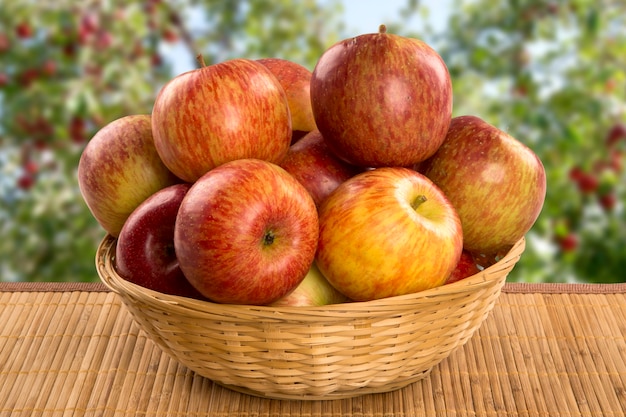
[466,267]
[218,113]
[314,290]
[144,252]
[311,162]
[496,183]
[246,233]
[381,99]
[119,168]
[387,232]
[296,81]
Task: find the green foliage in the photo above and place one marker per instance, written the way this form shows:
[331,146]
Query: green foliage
[68,68]
[552,74]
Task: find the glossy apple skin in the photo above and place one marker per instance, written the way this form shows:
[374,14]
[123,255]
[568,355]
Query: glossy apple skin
[380,99]
[296,81]
[246,233]
[311,162]
[119,168]
[466,267]
[496,183]
[144,253]
[232,110]
[313,291]
[374,244]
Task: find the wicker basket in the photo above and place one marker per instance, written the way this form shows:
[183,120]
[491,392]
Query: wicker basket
[312,353]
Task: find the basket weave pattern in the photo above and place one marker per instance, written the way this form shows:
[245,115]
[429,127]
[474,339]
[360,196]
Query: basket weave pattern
[329,352]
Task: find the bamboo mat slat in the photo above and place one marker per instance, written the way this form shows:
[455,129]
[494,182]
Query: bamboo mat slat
[545,350]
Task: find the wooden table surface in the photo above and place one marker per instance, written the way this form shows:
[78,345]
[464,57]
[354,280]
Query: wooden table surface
[545,350]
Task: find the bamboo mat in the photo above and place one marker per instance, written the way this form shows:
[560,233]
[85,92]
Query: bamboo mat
[545,350]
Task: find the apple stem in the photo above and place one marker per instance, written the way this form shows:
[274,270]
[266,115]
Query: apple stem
[382,29]
[419,200]
[200,60]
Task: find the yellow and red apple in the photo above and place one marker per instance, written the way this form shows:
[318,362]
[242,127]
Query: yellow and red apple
[119,168]
[296,81]
[314,290]
[387,232]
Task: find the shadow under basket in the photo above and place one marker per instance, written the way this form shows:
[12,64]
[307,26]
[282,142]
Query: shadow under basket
[313,353]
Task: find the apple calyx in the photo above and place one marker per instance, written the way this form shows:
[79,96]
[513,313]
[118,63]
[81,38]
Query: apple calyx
[419,200]
[268,238]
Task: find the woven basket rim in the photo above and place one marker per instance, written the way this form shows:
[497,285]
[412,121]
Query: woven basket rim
[117,284]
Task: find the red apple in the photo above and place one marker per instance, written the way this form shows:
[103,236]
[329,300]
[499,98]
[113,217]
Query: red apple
[119,168]
[145,252]
[314,290]
[465,268]
[496,183]
[296,81]
[232,110]
[386,232]
[246,233]
[381,99]
[311,162]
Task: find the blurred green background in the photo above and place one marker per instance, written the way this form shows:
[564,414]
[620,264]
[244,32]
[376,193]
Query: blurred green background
[551,73]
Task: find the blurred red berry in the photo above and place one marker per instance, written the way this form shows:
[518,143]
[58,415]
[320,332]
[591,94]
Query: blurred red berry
[89,23]
[42,128]
[24,30]
[49,68]
[77,129]
[4,79]
[69,49]
[4,42]
[40,144]
[26,181]
[615,134]
[569,242]
[156,60]
[169,35]
[576,173]
[588,183]
[27,77]
[608,201]
[104,40]
[31,167]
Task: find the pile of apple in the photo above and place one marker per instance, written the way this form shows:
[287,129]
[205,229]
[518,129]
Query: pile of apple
[261,182]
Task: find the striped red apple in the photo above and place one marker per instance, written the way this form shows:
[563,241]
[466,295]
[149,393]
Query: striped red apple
[218,113]
[496,183]
[381,99]
[246,233]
